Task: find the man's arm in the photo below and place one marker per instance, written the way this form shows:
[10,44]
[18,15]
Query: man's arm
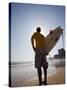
[32,42]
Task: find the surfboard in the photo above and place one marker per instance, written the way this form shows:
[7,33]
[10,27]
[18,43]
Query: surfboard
[52,38]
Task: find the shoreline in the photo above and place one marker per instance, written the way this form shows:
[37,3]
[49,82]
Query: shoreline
[55,79]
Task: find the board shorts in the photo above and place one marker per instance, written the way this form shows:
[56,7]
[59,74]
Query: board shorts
[40,58]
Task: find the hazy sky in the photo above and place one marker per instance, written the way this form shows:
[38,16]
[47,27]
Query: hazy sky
[25,18]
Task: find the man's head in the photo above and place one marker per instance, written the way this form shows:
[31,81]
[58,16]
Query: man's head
[38,29]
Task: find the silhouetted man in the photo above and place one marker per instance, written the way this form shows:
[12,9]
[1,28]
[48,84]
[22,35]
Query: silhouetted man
[39,47]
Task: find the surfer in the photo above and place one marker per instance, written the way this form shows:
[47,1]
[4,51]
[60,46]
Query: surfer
[39,47]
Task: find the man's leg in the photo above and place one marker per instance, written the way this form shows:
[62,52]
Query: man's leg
[45,76]
[39,75]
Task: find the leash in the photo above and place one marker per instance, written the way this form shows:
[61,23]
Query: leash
[51,60]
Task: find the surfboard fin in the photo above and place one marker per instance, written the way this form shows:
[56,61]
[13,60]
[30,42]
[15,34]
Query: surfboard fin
[58,27]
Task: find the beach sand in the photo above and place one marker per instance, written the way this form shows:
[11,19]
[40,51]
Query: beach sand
[55,79]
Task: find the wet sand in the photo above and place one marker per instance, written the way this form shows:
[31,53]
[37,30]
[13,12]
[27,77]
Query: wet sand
[55,79]
[58,78]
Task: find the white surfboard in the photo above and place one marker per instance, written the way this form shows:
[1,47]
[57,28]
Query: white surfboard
[52,38]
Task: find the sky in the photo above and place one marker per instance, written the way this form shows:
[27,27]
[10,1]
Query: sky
[25,18]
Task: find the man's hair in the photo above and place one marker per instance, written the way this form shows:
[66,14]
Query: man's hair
[38,29]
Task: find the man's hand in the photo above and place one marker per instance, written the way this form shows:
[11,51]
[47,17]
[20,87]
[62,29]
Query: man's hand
[47,53]
[34,49]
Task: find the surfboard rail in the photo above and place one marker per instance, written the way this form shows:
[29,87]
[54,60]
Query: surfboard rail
[52,38]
